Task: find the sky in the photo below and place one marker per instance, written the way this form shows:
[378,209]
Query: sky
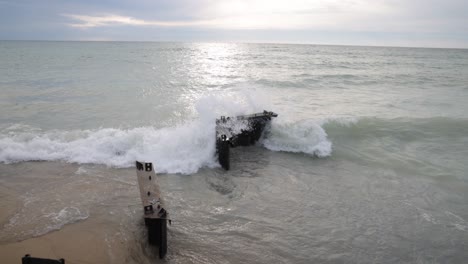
[408,23]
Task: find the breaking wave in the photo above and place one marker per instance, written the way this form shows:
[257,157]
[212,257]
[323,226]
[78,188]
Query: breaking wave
[306,136]
[189,146]
[183,148]
[180,149]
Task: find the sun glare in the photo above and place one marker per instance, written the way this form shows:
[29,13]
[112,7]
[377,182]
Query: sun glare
[293,14]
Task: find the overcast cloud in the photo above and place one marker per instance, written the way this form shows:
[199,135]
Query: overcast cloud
[428,23]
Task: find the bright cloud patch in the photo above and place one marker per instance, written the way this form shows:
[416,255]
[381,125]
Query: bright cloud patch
[254,14]
[85,21]
[358,22]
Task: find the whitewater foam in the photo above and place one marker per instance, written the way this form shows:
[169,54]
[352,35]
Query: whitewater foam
[180,149]
[305,136]
[184,148]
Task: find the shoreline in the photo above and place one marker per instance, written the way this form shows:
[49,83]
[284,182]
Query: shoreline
[51,197]
[80,242]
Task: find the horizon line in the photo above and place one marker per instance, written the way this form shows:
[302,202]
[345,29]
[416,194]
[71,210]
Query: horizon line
[238,42]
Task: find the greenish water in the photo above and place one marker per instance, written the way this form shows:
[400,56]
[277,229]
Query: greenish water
[366,162]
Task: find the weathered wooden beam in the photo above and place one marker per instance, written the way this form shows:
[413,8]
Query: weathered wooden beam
[228,134]
[155,214]
[27,259]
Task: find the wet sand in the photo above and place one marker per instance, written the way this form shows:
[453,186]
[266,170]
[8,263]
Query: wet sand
[9,203]
[77,243]
[57,210]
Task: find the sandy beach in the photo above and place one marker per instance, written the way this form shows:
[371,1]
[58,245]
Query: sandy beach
[76,243]
[49,225]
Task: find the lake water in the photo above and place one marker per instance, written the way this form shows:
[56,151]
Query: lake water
[366,162]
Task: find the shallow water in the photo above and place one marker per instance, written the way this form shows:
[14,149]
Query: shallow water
[365,163]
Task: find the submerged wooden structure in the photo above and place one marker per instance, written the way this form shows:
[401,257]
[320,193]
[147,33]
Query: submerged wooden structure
[243,130]
[27,259]
[155,214]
